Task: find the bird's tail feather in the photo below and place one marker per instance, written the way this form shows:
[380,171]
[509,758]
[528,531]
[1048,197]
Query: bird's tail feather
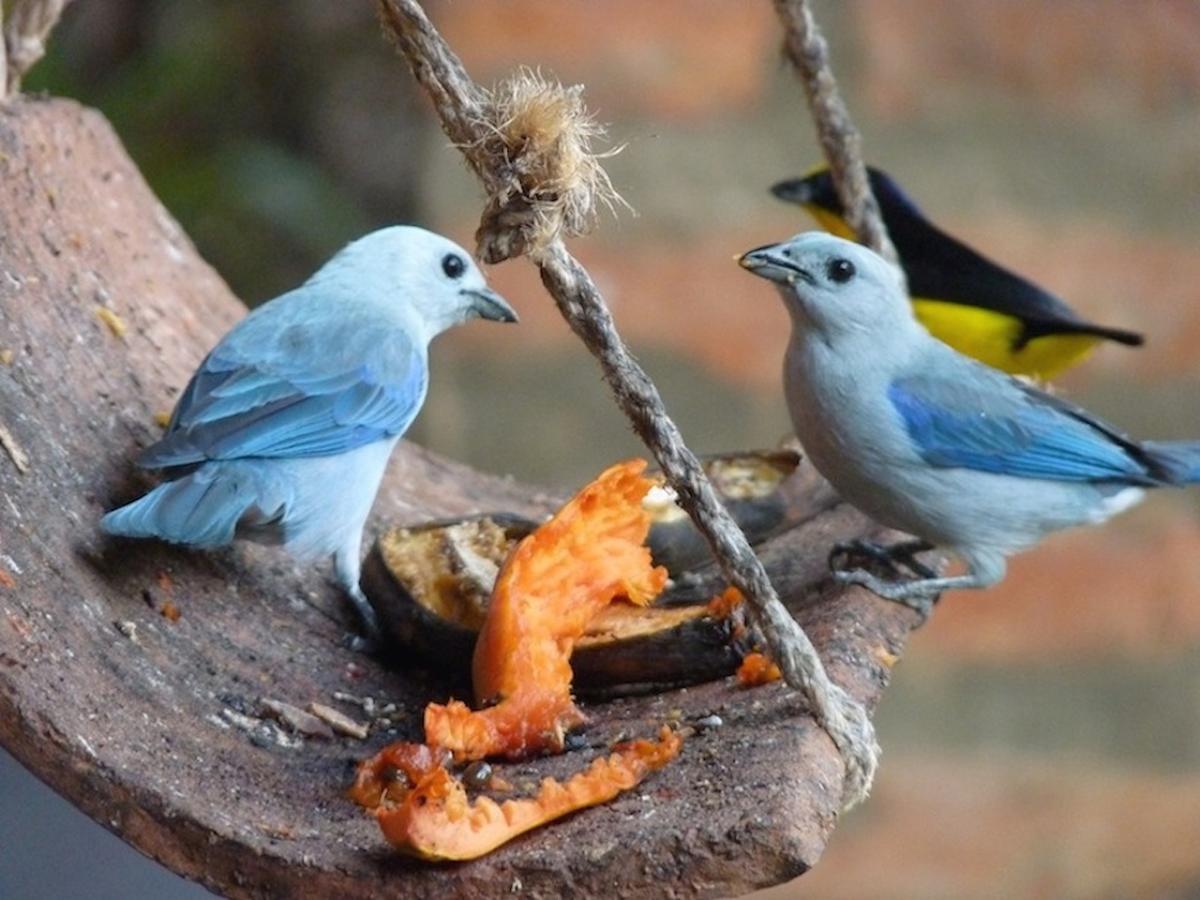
[201,509]
[1180,459]
[1120,335]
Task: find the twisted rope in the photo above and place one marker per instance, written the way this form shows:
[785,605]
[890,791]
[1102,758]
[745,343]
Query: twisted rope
[806,49]
[28,25]
[460,105]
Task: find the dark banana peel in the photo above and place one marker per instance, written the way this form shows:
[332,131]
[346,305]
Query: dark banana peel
[430,586]
[751,488]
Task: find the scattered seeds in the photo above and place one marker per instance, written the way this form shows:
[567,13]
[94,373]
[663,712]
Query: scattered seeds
[296,719]
[19,457]
[338,721]
[477,774]
[366,704]
[114,322]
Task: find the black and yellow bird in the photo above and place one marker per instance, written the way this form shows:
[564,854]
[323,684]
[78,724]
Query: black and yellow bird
[963,298]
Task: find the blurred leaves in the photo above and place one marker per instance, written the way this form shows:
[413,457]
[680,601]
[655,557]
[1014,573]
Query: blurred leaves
[225,107]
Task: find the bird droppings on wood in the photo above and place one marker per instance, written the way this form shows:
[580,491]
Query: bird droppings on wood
[128,629]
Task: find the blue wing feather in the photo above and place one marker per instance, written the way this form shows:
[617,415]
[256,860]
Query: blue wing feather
[1008,428]
[234,410]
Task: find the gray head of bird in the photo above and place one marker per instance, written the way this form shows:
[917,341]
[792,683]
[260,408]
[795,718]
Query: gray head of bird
[423,275]
[833,287]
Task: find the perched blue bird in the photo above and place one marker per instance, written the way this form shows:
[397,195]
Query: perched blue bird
[930,442]
[284,431]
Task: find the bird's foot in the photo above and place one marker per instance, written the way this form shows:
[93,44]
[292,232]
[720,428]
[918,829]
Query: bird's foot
[917,595]
[887,555]
[372,638]
[360,643]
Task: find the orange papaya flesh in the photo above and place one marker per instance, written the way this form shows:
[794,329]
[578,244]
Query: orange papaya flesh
[434,819]
[388,774]
[558,579]
[552,587]
[726,603]
[756,669]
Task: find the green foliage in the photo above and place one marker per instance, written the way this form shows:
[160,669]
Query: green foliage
[212,107]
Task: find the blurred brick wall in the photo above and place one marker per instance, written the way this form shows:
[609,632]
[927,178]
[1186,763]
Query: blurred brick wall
[1063,54]
[656,59]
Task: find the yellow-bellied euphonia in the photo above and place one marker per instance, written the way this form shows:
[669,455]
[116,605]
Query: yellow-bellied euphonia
[963,298]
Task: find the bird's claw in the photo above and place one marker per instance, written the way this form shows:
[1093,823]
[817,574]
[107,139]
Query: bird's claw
[912,594]
[372,638]
[889,556]
[361,643]
[845,551]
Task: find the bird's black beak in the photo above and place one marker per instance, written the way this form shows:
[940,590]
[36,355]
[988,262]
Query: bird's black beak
[772,263]
[490,305]
[794,190]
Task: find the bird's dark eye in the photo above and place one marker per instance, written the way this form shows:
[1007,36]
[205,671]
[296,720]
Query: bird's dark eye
[453,265]
[840,270]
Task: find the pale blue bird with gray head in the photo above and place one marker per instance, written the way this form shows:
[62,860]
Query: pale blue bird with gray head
[283,434]
[930,442]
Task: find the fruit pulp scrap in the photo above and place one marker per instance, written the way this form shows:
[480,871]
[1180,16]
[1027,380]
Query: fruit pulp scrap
[433,818]
[590,553]
[756,669]
[389,774]
[724,604]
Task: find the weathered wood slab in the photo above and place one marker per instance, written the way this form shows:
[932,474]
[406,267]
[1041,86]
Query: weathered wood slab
[155,726]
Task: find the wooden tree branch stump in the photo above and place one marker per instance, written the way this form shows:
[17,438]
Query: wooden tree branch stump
[155,725]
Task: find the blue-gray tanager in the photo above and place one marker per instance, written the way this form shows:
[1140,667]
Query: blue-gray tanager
[930,442]
[284,431]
